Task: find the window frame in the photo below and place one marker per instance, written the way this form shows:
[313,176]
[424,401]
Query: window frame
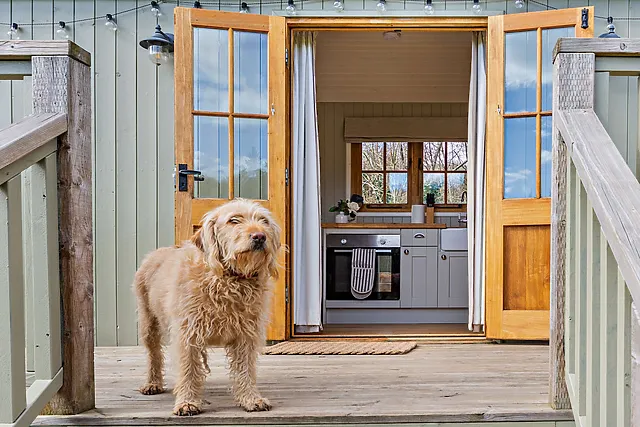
[414,179]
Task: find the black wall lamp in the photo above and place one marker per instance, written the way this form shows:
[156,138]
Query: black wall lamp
[159,45]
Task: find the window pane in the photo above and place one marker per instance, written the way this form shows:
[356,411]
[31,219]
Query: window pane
[520,71]
[211,156]
[397,156]
[210,69]
[372,156]
[397,188]
[549,39]
[372,188]
[520,158]
[547,155]
[456,185]
[433,156]
[457,156]
[250,159]
[433,183]
[250,72]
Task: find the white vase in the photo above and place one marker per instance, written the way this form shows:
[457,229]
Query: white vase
[341,218]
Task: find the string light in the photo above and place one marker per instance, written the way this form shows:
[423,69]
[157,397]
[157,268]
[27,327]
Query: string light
[155,9]
[197,5]
[244,8]
[477,7]
[62,30]
[611,30]
[291,7]
[13,32]
[110,23]
[519,4]
[338,5]
[428,8]
[381,6]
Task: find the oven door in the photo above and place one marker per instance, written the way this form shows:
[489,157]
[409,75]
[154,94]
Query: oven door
[386,281]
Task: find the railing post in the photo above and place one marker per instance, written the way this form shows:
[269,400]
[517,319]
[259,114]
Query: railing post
[63,84]
[573,88]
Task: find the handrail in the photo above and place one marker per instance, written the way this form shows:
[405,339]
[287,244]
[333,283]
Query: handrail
[611,187]
[45,165]
[24,143]
[595,233]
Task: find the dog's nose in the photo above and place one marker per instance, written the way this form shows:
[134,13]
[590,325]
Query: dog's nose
[258,237]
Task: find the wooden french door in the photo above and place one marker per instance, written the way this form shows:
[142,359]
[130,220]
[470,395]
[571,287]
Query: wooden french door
[230,121]
[518,218]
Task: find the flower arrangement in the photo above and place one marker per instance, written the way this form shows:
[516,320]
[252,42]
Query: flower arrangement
[348,207]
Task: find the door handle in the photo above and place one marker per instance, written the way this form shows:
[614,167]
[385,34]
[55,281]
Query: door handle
[183,173]
[418,236]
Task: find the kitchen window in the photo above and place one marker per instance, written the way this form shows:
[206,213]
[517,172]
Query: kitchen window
[395,175]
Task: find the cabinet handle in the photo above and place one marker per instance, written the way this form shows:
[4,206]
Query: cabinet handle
[443,257]
[418,236]
[406,251]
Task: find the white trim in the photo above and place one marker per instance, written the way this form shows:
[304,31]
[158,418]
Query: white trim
[388,14]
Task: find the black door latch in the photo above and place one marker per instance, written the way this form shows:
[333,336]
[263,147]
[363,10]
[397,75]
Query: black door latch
[183,173]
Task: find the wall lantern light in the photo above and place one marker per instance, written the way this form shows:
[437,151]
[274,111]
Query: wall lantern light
[159,45]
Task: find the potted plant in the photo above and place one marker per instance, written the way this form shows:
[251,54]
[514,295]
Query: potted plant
[346,209]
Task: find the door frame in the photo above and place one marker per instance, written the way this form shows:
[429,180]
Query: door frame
[416,23]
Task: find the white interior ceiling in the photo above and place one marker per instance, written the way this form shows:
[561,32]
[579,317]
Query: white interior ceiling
[361,66]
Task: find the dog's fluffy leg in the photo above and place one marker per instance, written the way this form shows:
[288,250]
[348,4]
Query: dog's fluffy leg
[243,355]
[191,377]
[151,335]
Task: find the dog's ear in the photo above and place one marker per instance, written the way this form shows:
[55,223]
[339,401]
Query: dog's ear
[211,244]
[197,240]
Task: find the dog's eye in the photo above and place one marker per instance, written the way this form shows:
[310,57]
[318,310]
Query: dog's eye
[234,221]
[264,221]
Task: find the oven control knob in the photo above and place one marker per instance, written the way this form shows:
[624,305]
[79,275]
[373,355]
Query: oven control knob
[343,241]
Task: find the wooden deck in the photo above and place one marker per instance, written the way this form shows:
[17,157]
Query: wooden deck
[434,383]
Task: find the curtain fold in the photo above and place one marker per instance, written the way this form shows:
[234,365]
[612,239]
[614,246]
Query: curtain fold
[307,244]
[476,186]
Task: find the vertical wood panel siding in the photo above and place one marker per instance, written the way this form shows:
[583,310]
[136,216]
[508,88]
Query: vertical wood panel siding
[133,125]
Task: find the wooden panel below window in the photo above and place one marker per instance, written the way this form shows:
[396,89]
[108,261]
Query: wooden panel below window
[527,252]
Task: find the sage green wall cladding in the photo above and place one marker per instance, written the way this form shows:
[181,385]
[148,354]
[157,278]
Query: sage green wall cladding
[133,122]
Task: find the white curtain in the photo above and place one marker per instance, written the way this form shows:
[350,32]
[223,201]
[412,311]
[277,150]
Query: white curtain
[306,253]
[476,180]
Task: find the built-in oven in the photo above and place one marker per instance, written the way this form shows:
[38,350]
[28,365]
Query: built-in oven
[339,255]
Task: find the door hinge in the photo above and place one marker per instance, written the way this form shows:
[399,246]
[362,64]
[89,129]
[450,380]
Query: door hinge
[286,294]
[286,177]
[585,18]
[286,57]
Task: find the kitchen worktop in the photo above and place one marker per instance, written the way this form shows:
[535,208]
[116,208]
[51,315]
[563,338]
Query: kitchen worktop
[363,225]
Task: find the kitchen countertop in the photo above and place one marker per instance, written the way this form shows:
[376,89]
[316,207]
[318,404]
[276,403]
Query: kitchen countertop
[363,225]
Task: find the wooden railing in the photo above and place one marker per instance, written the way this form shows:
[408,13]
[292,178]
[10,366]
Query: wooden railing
[52,149]
[595,241]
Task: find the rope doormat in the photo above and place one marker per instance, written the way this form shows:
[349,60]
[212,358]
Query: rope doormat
[340,348]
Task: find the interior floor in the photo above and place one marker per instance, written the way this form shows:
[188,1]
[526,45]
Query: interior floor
[383,330]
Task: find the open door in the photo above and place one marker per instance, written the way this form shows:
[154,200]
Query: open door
[519,104]
[230,121]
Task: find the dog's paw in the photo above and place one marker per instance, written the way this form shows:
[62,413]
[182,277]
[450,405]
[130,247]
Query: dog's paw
[187,409]
[150,389]
[257,404]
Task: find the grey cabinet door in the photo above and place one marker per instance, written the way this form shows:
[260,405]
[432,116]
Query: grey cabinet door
[453,283]
[419,277]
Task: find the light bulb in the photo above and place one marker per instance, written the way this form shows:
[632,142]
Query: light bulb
[110,23]
[338,5]
[197,5]
[477,7]
[155,9]
[13,32]
[62,30]
[381,6]
[244,8]
[158,54]
[428,8]
[519,4]
[291,8]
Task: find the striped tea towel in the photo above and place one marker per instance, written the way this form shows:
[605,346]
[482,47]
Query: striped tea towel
[362,272]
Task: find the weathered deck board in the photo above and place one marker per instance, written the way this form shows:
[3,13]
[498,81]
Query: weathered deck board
[433,383]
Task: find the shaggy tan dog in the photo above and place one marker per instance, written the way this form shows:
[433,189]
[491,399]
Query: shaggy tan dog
[211,291]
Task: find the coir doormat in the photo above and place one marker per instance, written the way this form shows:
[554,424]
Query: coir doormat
[340,348]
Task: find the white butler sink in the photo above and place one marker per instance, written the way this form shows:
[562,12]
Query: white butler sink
[454,239]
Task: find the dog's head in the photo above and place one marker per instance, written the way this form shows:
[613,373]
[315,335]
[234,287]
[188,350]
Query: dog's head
[240,237]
